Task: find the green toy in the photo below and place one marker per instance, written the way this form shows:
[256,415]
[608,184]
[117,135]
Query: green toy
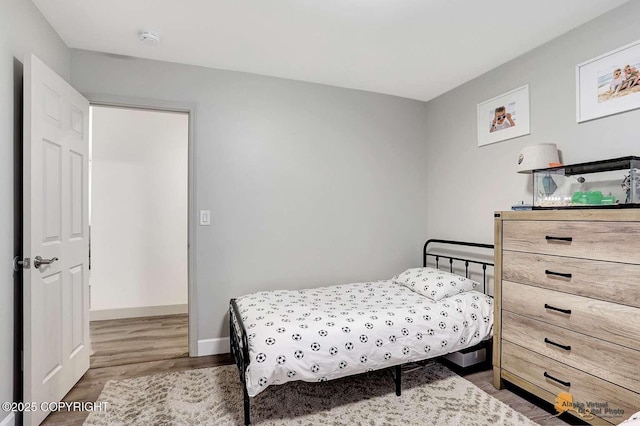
[592,198]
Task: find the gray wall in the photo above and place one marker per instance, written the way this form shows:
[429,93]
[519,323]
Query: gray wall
[468,183]
[307,184]
[312,185]
[22,30]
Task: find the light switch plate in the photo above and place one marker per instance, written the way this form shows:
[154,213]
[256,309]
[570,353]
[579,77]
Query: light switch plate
[205,217]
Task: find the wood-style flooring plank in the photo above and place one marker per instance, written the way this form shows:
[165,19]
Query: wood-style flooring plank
[529,405]
[90,386]
[136,340]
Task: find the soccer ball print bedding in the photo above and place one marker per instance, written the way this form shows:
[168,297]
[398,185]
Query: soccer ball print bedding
[330,332]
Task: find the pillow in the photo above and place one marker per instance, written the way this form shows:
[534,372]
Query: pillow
[433,283]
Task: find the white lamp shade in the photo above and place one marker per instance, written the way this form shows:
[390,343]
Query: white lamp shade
[537,157]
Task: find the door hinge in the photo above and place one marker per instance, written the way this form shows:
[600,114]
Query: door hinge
[21,264]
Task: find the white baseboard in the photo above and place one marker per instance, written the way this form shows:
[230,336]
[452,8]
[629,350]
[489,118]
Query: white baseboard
[10,420]
[144,311]
[213,346]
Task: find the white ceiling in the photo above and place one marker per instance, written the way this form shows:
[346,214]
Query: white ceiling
[417,49]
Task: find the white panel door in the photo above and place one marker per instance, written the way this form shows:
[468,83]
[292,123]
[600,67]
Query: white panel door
[56,295]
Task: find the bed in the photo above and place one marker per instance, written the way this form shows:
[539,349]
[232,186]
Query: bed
[325,333]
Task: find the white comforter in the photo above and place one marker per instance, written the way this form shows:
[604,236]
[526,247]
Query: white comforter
[325,333]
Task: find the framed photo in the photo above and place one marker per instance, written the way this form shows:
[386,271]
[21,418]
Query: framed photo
[608,84]
[504,117]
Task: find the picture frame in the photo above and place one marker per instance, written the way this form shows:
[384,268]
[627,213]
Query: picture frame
[504,117]
[608,84]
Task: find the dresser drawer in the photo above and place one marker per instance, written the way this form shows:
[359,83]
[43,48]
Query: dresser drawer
[615,282]
[583,387]
[609,361]
[611,241]
[605,320]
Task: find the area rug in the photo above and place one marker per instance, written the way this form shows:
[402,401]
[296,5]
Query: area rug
[431,395]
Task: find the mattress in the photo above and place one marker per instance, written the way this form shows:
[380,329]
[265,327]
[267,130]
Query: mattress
[330,332]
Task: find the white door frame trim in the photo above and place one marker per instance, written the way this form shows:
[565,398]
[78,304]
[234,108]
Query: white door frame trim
[99,99]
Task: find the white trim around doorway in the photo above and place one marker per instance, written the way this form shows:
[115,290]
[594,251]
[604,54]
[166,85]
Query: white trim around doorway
[98,99]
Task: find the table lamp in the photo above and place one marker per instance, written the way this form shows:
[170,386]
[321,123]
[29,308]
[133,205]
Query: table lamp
[537,157]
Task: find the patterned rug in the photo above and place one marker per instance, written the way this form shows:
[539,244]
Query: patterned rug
[432,395]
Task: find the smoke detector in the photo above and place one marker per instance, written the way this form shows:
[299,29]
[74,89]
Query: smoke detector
[149,38]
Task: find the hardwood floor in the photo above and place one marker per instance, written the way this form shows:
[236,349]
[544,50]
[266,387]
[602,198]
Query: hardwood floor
[135,340]
[534,408]
[91,384]
[132,347]
[170,334]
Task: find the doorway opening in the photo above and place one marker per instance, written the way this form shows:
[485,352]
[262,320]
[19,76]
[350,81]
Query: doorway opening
[138,218]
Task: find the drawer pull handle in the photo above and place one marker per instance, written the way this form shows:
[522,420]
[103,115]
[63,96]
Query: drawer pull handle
[560,274]
[562,382]
[565,347]
[549,237]
[564,311]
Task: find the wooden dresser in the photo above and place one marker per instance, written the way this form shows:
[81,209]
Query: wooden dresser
[567,311]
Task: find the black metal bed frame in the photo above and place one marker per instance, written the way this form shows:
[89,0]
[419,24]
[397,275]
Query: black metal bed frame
[437,257]
[238,333]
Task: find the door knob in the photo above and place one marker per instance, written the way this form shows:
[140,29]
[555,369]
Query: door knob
[39,261]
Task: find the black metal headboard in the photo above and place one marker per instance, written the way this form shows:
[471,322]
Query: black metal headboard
[452,258]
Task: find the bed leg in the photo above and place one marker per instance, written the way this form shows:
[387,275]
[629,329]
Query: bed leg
[398,380]
[247,406]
